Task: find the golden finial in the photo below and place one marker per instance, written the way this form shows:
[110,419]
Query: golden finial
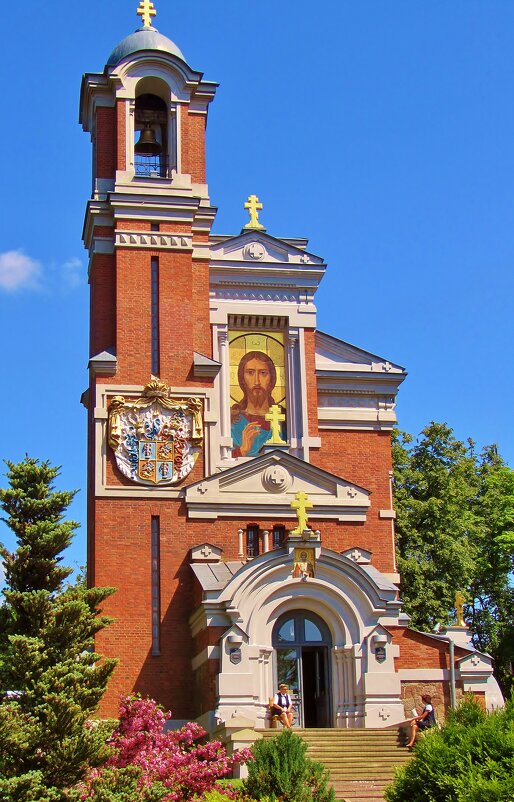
[275,418]
[459,610]
[146,11]
[254,206]
[300,506]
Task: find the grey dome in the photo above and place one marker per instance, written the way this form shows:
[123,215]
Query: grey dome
[143,39]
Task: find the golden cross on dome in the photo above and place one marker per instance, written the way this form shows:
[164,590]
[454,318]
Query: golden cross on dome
[254,206]
[301,505]
[275,418]
[146,11]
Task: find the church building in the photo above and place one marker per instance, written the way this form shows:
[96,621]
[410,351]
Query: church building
[239,459]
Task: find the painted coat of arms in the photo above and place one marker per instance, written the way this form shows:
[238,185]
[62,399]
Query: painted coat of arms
[156,438]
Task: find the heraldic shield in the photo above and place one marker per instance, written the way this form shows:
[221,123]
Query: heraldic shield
[156,438]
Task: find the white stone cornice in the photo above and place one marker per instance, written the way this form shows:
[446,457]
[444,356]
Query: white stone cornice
[154,240]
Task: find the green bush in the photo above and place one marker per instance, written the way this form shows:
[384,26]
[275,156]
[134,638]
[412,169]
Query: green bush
[121,785]
[471,759]
[281,771]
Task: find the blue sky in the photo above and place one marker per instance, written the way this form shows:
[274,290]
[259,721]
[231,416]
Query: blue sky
[382,131]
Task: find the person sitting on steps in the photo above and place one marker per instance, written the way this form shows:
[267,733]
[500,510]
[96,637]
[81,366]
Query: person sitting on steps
[422,722]
[283,706]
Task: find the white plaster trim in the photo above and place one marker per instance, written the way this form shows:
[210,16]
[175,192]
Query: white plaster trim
[153,239]
[102,245]
[201,250]
[423,674]
[209,653]
[387,514]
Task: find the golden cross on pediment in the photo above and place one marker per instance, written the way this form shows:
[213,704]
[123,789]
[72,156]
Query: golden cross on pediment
[146,11]
[253,205]
[301,505]
[275,418]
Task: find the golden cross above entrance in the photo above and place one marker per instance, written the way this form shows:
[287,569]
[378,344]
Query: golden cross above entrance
[301,505]
[275,418]
[254,206]
[146,11]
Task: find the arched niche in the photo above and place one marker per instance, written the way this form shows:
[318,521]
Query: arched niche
[154,143]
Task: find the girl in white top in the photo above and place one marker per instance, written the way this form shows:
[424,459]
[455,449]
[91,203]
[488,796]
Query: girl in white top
[283,706]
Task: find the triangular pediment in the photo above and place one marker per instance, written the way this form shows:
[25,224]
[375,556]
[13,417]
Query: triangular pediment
[265,487]
[256,248]
[336,355]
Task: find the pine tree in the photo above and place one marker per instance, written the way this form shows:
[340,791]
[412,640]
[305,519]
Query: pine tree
[50,676]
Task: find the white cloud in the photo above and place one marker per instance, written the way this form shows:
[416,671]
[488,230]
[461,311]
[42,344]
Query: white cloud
[18,271]
[73,272]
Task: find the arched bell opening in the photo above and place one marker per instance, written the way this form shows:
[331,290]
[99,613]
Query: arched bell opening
[302,644]
[151,156]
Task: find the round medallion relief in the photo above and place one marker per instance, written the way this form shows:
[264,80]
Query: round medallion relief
[276,479]
[254,251]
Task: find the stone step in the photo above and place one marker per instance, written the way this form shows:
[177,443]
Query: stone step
[360,791]
[361,762]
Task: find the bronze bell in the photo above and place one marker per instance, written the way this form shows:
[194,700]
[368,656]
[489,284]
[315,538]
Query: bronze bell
[147,144]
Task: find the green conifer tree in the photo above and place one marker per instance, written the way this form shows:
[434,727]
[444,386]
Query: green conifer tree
[50,676]
[281,771]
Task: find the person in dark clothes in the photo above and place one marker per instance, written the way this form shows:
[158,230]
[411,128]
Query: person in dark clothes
[422,722]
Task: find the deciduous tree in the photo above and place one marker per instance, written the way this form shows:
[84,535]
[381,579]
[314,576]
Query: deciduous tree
[455,531]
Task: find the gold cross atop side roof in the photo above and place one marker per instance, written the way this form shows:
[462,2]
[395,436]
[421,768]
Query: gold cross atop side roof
[254,206]
[459,609]
[146,11]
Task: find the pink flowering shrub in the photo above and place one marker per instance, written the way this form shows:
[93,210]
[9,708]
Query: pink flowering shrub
[178,762]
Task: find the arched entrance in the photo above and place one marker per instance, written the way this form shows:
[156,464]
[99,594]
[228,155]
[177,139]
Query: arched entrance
[302,644]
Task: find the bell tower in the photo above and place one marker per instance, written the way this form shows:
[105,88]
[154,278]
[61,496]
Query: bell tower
[148,221]
[147,227]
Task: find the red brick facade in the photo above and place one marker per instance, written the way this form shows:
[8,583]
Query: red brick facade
[184,674]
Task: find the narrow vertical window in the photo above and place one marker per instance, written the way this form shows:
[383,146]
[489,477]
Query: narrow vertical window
[156,585]
[252,541]
[279,533]
[155,316]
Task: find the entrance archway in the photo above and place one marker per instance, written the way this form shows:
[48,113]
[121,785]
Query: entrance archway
[302,645]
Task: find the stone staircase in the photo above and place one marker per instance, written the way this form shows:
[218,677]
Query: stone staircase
[361,762]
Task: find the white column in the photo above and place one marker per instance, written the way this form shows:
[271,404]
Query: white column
[224,393]
[179,138]
[172,139]
[303,418]
[240,552]
[292,402]
[265,540]
[131,135]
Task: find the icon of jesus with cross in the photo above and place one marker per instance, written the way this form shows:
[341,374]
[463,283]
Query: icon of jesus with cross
[256,420]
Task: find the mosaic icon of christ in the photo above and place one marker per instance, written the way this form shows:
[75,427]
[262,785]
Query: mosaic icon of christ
[257,377]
